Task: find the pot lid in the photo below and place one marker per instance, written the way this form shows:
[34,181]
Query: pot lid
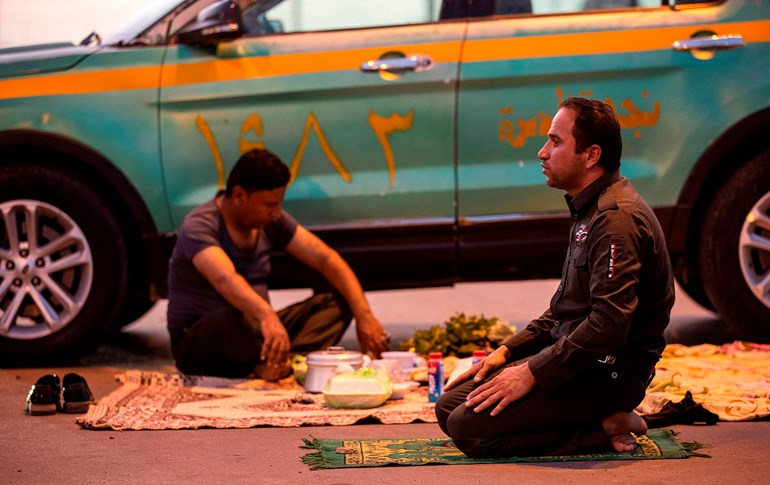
[334,356]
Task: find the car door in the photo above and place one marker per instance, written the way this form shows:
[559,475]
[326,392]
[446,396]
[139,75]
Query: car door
[517,69]
[356,96]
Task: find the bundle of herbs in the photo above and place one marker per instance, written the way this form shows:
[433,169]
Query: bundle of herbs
[460,336]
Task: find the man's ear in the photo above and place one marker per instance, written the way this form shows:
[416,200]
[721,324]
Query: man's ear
[593,154]
[238,194]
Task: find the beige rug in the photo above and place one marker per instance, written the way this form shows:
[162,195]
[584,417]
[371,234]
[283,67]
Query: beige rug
[152,400]
[731,380]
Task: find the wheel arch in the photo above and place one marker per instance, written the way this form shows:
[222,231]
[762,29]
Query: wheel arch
[136,221]
[735,146]
[85,162]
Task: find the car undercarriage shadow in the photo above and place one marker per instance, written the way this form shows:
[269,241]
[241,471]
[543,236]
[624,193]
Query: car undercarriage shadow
[699,330]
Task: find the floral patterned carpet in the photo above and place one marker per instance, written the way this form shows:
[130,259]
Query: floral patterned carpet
[731,380]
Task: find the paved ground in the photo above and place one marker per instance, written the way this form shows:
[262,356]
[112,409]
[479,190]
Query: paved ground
[53,449]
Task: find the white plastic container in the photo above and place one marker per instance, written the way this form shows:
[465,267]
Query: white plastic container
[322,364]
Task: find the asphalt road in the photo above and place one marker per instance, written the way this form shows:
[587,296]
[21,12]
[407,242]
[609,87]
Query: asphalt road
[54,449]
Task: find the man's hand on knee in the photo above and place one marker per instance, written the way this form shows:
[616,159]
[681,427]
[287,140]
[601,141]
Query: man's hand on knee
[486,367]
[511,384]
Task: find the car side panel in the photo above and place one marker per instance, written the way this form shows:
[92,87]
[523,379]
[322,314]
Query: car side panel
[362,148]
[73,104]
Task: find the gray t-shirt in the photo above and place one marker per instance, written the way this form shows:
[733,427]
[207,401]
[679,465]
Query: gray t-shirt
[190,294]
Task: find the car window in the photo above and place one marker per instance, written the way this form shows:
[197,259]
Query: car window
[484,8]
[565,6]
[148,26]
[183,15]
[189,15]
[287,16]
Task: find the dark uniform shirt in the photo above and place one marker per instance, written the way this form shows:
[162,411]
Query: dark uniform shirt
[615,295]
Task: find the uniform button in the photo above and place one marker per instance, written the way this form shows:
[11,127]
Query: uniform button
[614,375]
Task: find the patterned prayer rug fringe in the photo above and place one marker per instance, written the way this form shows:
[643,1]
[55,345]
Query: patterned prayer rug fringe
[691,448]
[315,460]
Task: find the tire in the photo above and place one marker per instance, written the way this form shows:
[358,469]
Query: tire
[735,250]
[134,310]
[57,300]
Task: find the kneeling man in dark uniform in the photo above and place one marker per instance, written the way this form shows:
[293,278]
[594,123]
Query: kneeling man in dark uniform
[570,381]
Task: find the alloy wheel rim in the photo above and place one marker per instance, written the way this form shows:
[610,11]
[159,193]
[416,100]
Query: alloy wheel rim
[754,249]
[46,269]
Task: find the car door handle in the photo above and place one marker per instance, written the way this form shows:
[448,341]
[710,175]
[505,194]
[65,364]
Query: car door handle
[714,42]
[417,63]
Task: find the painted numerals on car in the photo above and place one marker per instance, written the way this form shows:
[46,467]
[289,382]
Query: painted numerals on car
[380,125]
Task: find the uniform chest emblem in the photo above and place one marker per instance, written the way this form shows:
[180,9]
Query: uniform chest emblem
[582,233]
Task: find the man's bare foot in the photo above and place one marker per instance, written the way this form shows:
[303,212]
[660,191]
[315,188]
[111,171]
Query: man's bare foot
[619,427]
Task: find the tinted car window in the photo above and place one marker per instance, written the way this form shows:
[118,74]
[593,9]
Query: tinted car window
[302,16]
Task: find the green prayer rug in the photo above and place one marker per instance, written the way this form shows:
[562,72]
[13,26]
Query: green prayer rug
[334,453]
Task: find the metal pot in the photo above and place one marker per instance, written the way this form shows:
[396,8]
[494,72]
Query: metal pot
[321,365]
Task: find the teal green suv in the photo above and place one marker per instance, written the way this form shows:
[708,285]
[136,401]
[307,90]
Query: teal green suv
[411,128]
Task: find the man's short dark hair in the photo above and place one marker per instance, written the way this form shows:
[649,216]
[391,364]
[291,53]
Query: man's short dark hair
[596,124]
[258,169]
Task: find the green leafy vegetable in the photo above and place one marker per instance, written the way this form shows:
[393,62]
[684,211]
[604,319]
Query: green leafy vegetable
[460,336]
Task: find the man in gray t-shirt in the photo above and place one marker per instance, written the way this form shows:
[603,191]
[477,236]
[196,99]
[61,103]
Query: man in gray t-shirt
[219,315]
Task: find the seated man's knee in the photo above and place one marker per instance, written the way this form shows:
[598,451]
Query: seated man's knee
[468,434]
[341,305]
[460,424]
[476,447]
[447,403]
[443,409]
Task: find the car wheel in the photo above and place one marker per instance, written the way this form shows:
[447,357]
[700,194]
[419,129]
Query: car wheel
[735,250]
[63,265]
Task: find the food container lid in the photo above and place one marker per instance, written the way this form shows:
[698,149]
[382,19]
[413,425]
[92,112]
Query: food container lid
[335,356]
